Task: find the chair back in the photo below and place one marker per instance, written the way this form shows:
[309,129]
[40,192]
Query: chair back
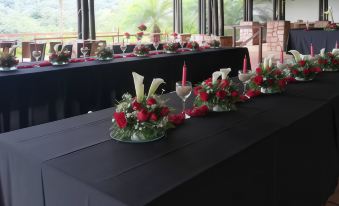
[6,45]
[95,47]
[51,46]
[37,46]
[79,45]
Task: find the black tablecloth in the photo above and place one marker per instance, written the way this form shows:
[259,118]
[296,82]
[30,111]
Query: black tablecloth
[301,40]
[275,150]
[34,96]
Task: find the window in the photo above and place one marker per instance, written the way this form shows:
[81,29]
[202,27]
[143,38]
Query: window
[306,10]
[190,16]
[262,10]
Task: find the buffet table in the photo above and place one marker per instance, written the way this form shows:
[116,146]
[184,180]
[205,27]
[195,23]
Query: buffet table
[275,150]
[34,96]
[300,40]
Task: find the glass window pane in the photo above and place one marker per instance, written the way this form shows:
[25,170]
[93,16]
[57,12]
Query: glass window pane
[296,10]
[335,8]
[262,10]
[190,16]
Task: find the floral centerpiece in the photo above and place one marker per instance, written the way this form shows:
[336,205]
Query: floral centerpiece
[193,45]
[214,43]
[105,53]
[171,47]
[60,56]
[218,95]
[127,35]
[142,118]
[329,61]
[141,50]
[305,68]
[268,78]
[8,62]
[140,34]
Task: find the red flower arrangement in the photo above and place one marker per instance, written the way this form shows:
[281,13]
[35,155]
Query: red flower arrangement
[268,78]
[59,56]
[142,118]
[127,35]
[193,45]
[329,61]
[304,69]
[171,47]
[217,94]
[141,50]
[331,27]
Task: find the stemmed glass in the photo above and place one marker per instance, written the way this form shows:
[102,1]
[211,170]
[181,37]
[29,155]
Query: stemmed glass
[36,55]
[245,78]
[84,51]
[184,91]
[156,44]
[123,48]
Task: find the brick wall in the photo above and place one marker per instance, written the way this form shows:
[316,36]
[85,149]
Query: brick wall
[245,34]
[277,33]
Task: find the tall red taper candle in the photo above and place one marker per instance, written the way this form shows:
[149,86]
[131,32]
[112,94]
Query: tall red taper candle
[281,56]
[312,50]
[184,74]
[244,66]
[336,44]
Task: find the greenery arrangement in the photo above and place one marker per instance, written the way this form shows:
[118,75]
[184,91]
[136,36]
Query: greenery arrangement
[141,50]
[8,60]
[193,45]
[214,43]
[105,53]
[171,47]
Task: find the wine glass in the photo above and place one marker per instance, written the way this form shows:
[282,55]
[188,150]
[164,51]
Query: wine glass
[245,78]
[123,48]
[184,91]
[156,44]
[84,50]
[36,55]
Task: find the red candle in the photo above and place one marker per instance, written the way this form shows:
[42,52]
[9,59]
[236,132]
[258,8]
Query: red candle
[281,56]
[184,74]
[312,50]
[336,44]
[244,66]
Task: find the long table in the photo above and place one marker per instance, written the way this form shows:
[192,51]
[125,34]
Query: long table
[301,40]
[275,150]
[34,96]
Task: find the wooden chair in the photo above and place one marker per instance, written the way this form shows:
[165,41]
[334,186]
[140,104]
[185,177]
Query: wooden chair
[40,47]
[78,45]
[51,46]
[6,45]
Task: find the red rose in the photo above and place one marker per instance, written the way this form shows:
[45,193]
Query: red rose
[290,79]
[270,81]
[176,119]
[136,106]
[282,83]
[330,54]
[151,101]
[142,27]
[143,115]
[203,96]
[221,94]
[258,80]
[316,69]
[278,72]
[306,71]
[258,70]
[209,80]
[224,83]
[295,72]
[120,119]
[174,34]
[139,34]
[252,93]
[197,90]
[164,111]
[243,98]
[198,111]
[127,35]
[234,94]
[302,63]
[153,117]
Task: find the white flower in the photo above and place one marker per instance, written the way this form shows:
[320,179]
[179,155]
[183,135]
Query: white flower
[296,54]
[215,76]
[139,86]
[225,72]
[154,86]
[322,52]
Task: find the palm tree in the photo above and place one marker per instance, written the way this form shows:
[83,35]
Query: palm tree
[154,13]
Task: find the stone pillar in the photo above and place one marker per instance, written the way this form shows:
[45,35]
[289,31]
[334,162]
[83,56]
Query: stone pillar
[277,33]
[245,34]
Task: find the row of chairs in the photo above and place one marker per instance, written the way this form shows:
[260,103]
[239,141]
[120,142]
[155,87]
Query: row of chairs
[29,47]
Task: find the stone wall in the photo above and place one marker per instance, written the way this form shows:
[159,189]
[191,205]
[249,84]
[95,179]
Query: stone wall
[277,34]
